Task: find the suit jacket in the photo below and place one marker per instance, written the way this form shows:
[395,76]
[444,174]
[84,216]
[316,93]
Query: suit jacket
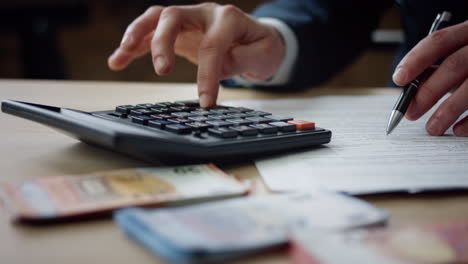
[332,33]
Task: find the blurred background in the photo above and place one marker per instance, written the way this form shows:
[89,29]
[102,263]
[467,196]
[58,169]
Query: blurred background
[71,39]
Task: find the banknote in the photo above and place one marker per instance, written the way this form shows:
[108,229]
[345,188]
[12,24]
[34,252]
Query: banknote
[78,195]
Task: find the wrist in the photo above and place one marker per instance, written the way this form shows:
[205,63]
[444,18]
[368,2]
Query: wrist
[276,50]
[286,49]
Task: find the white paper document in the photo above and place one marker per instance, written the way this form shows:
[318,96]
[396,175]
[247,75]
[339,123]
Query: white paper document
[361,158]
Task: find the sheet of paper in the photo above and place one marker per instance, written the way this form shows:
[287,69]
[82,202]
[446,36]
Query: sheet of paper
[360,157]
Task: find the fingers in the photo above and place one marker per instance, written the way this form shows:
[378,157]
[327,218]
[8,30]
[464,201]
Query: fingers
[461,128]
[171,21]
[451,73]
[135,41]
[215,30]
[213,50]
[429,50]
[449,111]
[120,58]
[139,28]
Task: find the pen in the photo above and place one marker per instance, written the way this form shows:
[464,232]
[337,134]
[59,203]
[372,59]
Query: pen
[409,90]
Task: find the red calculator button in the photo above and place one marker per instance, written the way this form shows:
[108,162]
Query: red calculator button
[302,124]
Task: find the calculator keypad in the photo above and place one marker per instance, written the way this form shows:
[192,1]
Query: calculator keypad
[186,117]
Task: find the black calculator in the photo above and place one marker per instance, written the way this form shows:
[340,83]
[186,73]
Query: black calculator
[179,132]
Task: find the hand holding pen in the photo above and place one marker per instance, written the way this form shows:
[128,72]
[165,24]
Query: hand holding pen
[451,75]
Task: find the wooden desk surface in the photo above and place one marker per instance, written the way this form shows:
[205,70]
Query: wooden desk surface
[29,150]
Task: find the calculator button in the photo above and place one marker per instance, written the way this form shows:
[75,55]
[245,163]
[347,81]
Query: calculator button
[257,113]
[191,103]
[178,120]
[161,116]
[265,128]
[239,121]
[181,108]
[165,104]
[200,112]
[189,108]
[236,115]
[145,105]
[160,110]
[159,105]
[200,126]
[161,124]
[283,127]
[279,118]
[138,112]
[220,111]
[222,132]
[124,108]
[178,128]
[199,118]
[218,117]
[302,124]
[219,123]
[245,130]
[182,114]
[258,119]
[142,120]
[176,109]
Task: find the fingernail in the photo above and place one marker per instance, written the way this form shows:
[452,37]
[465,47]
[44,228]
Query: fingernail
[433,127]
[399,76]
[205,100]
[160,64]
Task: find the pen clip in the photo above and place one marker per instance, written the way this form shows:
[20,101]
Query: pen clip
[441,19]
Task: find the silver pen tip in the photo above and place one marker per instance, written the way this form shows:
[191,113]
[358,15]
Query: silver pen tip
[393,121]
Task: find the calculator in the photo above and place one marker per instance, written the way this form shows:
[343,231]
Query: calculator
[179,132]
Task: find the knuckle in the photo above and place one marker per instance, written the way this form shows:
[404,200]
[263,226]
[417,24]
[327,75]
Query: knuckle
[450,108]
[153,9]
[130,29]
[203,76]
[171,11]
[438,38]
[209,5]
[156,47]
[230,10]
[456,62]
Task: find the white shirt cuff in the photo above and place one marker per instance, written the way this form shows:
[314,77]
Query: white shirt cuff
[283,74]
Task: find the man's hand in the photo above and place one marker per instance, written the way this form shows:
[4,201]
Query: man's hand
[450,76]
[222,40]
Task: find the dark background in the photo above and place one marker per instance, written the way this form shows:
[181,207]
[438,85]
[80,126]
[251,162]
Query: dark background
[71,39]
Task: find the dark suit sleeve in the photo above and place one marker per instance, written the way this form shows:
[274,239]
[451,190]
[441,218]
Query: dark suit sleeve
[330,34]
